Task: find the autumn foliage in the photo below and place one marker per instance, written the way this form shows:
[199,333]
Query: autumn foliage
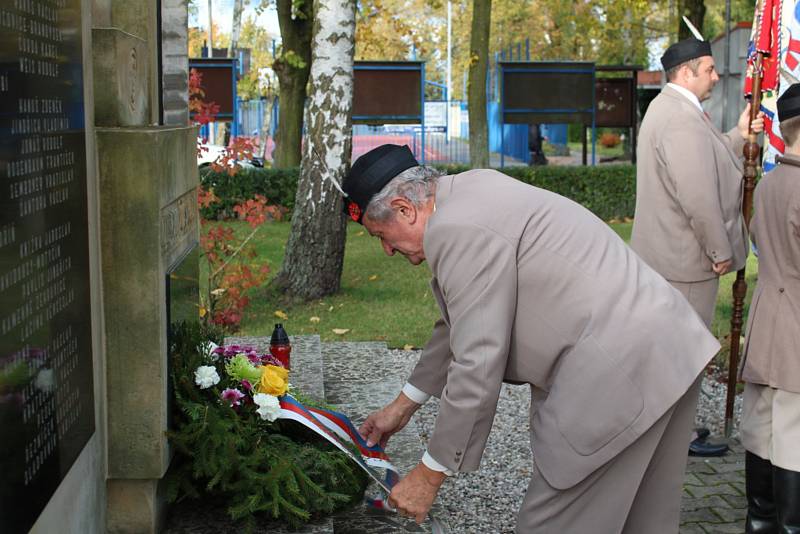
[233,266]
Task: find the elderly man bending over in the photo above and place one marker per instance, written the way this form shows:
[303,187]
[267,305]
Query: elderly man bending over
[534,289]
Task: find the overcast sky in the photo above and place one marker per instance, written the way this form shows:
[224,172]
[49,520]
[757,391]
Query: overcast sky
[222,12]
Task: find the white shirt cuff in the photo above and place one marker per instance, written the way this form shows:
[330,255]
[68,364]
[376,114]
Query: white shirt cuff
[432,464]
[415,394]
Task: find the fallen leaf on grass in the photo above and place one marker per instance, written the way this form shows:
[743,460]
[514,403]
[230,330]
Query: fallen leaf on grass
[314,319]
[359,234]
[340,331]
[373,277]
[408,347]
[281,314]
[330,309]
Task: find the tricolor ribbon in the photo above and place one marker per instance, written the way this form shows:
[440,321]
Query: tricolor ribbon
[337,428]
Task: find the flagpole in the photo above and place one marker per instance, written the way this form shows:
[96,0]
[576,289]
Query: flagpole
[751,152]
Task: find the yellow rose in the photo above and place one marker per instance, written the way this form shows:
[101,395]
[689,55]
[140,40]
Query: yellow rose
[274,380]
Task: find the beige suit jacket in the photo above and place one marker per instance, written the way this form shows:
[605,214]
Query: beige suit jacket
[688,192]
[533,288]
[772,347]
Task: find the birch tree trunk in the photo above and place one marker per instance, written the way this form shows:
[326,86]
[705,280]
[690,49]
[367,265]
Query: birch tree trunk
[476,86]
[312,266]
[236,26]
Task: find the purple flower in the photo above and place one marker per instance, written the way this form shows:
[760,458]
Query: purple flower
[246,385]
[232,396]
[254,358]
[269,359]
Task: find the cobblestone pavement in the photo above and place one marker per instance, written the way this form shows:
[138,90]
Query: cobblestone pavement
[713,494]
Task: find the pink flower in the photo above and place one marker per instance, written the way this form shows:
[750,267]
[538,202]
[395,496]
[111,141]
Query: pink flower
[232,396]
[269,359]
[247,385]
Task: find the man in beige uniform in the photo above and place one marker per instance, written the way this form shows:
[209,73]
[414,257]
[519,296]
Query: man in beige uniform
[770,423]
[534,289]
[688,224]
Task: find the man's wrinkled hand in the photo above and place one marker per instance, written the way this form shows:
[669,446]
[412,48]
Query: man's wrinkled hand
[721,267]
[745,125]
[382,424]
[413,496]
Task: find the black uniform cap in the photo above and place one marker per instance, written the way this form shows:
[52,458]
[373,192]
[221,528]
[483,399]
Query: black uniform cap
[789,103]
[683,51]
[370,173]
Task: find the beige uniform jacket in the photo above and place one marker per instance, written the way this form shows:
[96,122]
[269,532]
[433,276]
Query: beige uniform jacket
[772,348]
[533,288]
[688,192]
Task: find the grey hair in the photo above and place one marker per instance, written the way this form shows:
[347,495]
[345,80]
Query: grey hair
[693,64]
[416,184]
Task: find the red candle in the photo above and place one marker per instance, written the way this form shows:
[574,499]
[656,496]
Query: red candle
[279,345]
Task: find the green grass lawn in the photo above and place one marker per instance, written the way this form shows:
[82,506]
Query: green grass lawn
[383,298]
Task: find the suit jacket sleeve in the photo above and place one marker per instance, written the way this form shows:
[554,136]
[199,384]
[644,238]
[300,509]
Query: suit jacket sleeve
[430,373]
[477,272]
[689,157]
[734,140]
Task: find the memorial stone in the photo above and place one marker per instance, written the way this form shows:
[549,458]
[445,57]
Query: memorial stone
[46,387]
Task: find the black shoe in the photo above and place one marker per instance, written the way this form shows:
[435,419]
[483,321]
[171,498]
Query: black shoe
[786,486]
[762,517]
[702,448]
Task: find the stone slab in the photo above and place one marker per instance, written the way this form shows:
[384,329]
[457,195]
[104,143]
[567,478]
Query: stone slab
[120,78]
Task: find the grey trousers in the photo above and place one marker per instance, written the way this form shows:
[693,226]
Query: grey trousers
[638,491]
[702,296]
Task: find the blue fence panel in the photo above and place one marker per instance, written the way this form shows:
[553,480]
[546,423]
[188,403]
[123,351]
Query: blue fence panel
[515,140]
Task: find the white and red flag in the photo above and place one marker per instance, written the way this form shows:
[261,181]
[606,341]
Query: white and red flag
[776,34]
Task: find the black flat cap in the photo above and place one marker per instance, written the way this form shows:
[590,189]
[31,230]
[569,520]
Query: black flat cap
[370,173]
[683,51]
[789,103]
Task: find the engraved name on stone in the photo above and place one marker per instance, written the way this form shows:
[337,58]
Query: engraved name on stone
[178,221]
[45,329]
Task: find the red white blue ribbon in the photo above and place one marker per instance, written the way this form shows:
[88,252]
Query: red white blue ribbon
[337,428]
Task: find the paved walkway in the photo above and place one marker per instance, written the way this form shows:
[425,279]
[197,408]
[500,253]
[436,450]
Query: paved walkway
[713,494]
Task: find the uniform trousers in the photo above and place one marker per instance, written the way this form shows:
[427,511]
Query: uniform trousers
[770,425]
[701,295]
[637,491]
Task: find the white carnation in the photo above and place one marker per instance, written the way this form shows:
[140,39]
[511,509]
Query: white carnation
[206,376]
[45,380]
[269,408]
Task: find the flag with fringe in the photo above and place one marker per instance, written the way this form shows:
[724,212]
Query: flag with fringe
[776,33]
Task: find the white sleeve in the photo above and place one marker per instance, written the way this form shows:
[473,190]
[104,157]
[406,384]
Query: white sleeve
[432,464]
[415,394]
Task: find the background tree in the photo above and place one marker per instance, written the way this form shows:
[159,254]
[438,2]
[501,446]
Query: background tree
[695,11]
[236,26]
[312,267]
[292,67]
[476,87]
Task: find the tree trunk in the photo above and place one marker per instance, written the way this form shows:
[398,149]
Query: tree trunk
[236,26]
[292,68]
[695,11]
[478,66]
[312,267]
